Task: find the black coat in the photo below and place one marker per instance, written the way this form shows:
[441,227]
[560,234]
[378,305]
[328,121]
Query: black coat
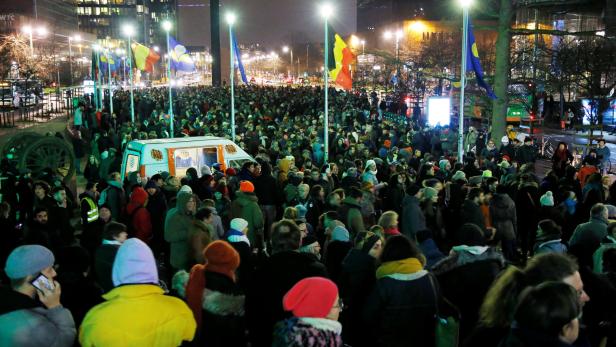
[401,312]
[223,321]
[271,281]
[356,282]
[336,252]
[103,265]
[477,272]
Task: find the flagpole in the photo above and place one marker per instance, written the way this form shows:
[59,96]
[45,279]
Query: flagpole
[109,83]
[462,84]
[230,21]
[94,74]
[326,10]
[99,95]
[129,31]
[167,28]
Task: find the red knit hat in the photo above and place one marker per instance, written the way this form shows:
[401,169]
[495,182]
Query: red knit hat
[230,172]
[221,257]
[311,297]
[247,187]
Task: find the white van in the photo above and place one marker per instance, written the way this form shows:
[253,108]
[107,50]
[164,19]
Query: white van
[149,157]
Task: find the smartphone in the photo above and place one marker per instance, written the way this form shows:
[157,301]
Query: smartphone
[41,282]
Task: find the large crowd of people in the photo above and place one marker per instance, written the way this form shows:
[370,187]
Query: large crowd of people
[389,242]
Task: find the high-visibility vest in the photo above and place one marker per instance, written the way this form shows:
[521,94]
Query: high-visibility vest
[93,211]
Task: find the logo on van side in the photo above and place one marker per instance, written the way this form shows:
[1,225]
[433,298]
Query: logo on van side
[157,155]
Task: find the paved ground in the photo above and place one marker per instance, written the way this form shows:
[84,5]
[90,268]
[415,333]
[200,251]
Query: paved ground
[39,125]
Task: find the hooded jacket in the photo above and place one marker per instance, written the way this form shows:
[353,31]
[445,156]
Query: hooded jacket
[140,217]
[24,323]
[350,214]
[136,313]
[504,219]
[246,206]
[413,219]
[177,226]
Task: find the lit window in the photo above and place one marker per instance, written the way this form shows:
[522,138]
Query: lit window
[139,8]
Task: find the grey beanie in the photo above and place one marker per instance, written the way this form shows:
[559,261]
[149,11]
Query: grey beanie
[28,260]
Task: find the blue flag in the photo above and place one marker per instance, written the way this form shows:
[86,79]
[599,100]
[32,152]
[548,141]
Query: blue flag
[473,63]
[108,60]
[238,58]
[180,59]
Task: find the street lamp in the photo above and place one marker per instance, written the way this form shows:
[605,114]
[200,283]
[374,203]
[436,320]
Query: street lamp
[129,31]
[41,31]
[465,4]
[286,49]
[167,25]
[326,10]
[76,38]
[397,35]
[230,18]
[108,56]
[96,79]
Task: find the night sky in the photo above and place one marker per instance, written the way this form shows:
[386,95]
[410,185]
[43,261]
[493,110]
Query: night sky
[269,22]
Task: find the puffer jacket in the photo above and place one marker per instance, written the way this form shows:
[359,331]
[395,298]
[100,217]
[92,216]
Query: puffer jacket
[135,306]
[24,323]
[246,206]
[504,219]
[177,224]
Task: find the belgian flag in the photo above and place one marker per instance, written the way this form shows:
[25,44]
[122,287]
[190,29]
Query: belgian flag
[339,61]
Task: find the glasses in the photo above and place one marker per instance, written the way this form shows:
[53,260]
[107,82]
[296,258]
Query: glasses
[339,305]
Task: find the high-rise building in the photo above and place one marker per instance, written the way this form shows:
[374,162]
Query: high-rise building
[105,18]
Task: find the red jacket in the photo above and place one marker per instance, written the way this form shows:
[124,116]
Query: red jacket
[140,222]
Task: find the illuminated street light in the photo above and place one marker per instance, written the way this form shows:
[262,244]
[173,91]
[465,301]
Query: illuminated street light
[326,10]
[465,3]
[42,31]
[167,25]
[128,30]
[285,49]
[230,18]
[156,49]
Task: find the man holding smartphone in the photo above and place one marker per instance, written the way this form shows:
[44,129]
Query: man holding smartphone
[24,321]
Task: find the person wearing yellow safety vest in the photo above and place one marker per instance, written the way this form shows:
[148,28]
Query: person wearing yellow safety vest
[89,214]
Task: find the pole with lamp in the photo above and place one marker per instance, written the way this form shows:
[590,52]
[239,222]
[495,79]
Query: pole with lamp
[465,5]
[326,11]
[167,25]
[98,98]
[230,17]
[286,49]
[129,31]
[41,31]
[75,38]
[107,55]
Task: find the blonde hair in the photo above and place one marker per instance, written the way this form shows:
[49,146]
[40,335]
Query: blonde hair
[388,219]
[290,213]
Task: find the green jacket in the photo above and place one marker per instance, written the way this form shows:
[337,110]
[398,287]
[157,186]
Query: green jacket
[246,206]
[177,226]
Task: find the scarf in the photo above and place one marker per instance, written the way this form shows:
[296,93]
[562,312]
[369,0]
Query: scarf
[195,288]
[404,266]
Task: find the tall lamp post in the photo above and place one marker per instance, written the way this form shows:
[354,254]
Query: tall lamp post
[108,56]
[98,98]
[465,5]
[326,11]
[397,36]
[230,18]
[129,31]
[75,38]
[167,25]
[41,31]
[286,49]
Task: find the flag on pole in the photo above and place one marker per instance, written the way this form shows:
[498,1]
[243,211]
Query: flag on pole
[180,59]
[339,61]
[145,57]
[112,63]
[473,63]
[238,58]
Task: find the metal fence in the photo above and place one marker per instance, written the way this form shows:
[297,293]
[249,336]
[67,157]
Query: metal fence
[49,105]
